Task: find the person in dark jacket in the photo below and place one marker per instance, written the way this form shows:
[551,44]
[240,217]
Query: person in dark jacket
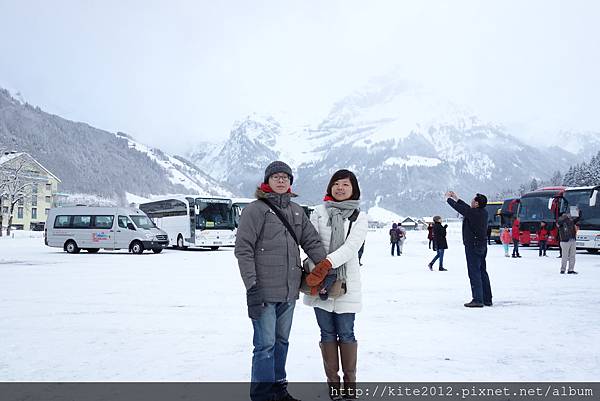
[269,261]
[542,237]
[439,242]
[395,239]
[474,231]
[430,233]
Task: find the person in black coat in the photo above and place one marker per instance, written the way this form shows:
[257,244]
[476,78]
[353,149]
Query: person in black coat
[474,231]
[439,242]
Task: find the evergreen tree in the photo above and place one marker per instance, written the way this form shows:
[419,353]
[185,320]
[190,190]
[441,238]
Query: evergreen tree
[569,179]
[533,185]
[594,168]
[557,179]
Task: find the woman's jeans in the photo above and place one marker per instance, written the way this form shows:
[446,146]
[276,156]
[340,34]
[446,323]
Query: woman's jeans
[335,326]
[440,256]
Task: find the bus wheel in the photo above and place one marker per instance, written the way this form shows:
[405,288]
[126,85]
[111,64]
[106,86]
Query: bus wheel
[92,250]
[180,242]
[136,247]
[71,247]
[157,250]
[214,248]
[592,250]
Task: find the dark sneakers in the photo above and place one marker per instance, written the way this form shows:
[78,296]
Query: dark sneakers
[572,272]
[562,272]
[430,266]
[488,303]
[474,304]
[287,397]
[443,270]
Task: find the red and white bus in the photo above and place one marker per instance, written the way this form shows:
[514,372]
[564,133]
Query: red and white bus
[543,204]
[585,202]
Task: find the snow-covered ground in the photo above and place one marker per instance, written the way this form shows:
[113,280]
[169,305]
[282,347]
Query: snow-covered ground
[181,316]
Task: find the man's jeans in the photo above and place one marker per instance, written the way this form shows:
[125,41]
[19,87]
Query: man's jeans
[397,246]
[335,326]
[480,281]
[516,247]
[543,246]
[440,255]
[271,333]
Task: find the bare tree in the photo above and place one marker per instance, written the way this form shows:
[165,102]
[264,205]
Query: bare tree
[17,185]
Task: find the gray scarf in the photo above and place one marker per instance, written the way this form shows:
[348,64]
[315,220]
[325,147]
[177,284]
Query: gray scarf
[338,212]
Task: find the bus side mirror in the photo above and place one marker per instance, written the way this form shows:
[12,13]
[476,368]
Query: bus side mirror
[594,198]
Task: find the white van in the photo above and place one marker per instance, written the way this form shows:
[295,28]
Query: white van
[92,228]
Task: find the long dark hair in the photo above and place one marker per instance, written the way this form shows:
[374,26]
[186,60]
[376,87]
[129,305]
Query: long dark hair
[340,175]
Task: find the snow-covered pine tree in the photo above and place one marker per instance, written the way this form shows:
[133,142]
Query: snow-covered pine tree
[533,185]
[569,178]
[556,179]
[579,175]
[594,168]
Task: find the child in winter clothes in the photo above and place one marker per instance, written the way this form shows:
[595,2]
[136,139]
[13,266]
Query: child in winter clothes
[506,239]
[542,235]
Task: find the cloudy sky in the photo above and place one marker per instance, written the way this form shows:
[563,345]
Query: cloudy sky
[172,73]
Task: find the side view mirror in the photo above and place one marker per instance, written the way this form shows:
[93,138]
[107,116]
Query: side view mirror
[550,201]
[130,227]
[594,198]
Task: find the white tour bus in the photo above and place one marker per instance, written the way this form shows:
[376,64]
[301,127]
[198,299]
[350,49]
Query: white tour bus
[238,205]
[587,203]
[93,228]
[194,221]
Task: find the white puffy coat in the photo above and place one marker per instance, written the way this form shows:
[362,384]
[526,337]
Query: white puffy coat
[351,302]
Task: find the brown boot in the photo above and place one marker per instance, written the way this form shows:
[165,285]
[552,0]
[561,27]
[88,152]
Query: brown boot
[331,363]
[348,353]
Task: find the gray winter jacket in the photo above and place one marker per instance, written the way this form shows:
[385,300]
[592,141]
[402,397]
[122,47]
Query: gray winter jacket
[267,254]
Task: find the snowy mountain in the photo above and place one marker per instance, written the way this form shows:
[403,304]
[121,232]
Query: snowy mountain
[253,143]
[406,144]
[93,161]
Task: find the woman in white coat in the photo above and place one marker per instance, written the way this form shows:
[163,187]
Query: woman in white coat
[342,228]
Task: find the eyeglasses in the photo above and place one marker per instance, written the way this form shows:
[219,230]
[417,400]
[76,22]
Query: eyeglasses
[282,177]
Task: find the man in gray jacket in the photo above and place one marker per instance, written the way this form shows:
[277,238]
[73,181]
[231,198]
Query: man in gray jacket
[269,261]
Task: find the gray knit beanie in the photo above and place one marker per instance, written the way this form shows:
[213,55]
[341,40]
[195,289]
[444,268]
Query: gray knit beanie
[278,167]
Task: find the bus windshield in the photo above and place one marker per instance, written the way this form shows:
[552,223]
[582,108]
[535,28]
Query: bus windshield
[535,209]
[142,222]
[214,214]
[493,217]
[589,215]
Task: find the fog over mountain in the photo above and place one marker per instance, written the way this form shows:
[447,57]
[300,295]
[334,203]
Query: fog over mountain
[407,145]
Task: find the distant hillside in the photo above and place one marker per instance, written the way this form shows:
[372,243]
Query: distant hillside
[90,160]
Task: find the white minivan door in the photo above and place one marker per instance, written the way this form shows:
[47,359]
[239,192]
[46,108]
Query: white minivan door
[126,232]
